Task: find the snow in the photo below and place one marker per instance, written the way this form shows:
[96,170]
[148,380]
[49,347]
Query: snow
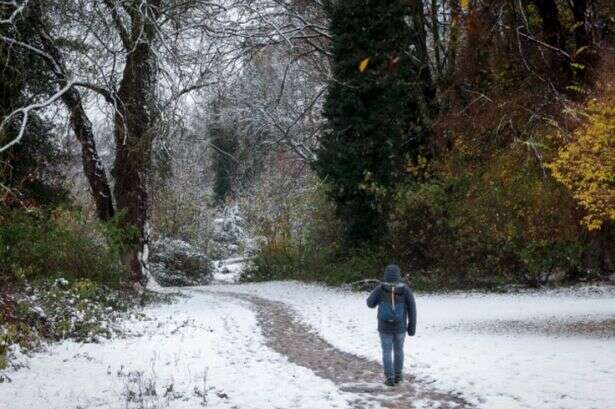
[229,270]
[206,345]
[209,347]
[234,243]
[505,369]
[62,282]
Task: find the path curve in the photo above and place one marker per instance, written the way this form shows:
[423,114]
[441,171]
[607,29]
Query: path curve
[287,335]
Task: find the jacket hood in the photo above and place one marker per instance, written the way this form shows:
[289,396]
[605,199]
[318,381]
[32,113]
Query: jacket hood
[392,274]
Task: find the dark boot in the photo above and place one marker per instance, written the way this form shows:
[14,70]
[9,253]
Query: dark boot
[390,382]
[398,379]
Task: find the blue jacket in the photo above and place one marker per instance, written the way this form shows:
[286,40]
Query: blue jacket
[402,293]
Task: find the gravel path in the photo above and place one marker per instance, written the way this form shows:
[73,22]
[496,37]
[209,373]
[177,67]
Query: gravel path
[363,378]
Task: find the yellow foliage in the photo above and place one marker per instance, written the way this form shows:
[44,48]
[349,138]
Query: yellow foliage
[465,4]
[363,64]
[418,168]
[586,166]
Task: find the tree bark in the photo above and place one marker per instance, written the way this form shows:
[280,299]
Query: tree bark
[133,138]
[583,54]
[579,12]
[80,123]
[92,165]
[551,27]
[420,42]
[435,32]
[552,32]
[133,147]
[453,40]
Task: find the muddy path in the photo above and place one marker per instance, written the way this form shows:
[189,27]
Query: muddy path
[362,378]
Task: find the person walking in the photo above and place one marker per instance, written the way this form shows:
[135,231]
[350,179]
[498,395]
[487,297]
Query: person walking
[396,317]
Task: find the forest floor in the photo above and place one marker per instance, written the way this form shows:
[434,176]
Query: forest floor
[290,345]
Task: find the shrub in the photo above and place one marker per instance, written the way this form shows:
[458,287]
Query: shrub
[359,265]
[53,310]
[586,166]
[277,260]
[506,222]
[302,241]
[61,244]
[290,262]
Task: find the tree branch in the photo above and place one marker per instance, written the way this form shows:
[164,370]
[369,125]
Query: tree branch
[117,20]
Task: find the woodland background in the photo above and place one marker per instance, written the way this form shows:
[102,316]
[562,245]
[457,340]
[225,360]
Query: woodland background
[472,142]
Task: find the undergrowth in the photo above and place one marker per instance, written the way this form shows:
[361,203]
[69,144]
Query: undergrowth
[35,314]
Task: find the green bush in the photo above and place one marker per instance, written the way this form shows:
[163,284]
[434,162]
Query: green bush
[504,223]
[277,260]
[355,267]
[60,244]
[52,310]
[295,263]
[543,257]
[305,243]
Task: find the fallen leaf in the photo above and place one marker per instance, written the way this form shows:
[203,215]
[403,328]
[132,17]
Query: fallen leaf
[363,65]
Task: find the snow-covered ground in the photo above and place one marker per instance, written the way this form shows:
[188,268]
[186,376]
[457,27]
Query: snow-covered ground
[229,270]
[201,348]
[463,342]
[209,347]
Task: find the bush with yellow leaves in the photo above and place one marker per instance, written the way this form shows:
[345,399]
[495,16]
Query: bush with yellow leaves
[586,166]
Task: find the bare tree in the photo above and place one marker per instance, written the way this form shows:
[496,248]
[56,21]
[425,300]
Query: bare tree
[141,58]
[284,71]
[80,122]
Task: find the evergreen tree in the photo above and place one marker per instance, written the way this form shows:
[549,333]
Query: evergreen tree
[377,111]
[30,170]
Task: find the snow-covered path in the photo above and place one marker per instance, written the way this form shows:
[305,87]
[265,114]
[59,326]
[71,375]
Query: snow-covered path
[537,350]
[362,377]
[551,350]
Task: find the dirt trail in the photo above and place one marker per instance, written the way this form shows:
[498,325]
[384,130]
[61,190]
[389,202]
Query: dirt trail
[287,335]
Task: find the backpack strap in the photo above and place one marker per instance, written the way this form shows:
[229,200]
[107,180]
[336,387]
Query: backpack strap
[393,299]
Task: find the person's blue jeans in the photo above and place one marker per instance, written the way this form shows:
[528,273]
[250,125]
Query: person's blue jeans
[392,353]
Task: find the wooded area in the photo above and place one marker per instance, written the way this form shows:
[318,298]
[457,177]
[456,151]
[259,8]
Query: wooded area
[454,157]
[471,141]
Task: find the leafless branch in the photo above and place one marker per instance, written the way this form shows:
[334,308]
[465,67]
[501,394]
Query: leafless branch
[25,112]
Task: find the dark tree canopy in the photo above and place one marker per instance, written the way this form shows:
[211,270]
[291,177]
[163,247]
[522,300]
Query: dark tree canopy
[30,171]
[377,118]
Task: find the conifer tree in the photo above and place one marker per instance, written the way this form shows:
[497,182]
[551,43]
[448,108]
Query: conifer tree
[376,109]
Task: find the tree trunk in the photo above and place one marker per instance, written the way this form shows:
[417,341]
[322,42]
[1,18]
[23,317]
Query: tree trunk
[551,27]
[435,32]
[81,124]
[453,41]
[552,32]
[583,54]
[133,141]
[420,42]
[92,165]
[579,12]
[133,131]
